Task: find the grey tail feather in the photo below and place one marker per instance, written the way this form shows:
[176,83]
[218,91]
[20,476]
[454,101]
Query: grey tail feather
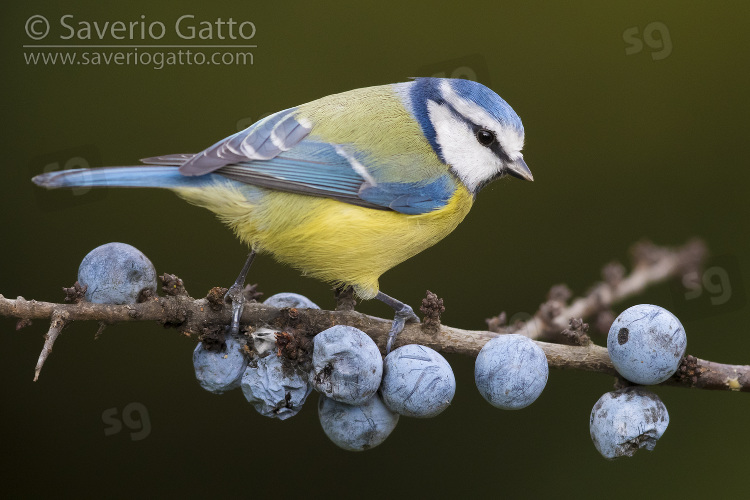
[175,160]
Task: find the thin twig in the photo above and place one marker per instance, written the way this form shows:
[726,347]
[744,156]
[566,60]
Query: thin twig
[652,265]
[57,323]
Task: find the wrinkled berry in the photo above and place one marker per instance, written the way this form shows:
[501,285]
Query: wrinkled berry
[626,420]
[417,381]
[274,391]
[347,366]
[356,428]
[511,371]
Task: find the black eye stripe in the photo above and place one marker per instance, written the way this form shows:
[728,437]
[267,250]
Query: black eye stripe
[493,146]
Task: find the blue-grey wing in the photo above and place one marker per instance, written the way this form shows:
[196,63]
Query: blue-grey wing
[278,153]
[322,169]
[263,140]
[311,167]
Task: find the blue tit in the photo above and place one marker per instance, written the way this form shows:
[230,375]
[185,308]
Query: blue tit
[345,187]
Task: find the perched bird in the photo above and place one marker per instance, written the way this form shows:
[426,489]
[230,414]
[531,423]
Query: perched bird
[347,186]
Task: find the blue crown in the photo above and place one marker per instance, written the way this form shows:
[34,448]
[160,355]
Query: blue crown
[428,89]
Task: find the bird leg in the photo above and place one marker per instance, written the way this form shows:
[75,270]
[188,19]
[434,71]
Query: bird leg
[237,295]
[404,313]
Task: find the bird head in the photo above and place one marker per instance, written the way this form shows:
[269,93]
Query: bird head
[471,129]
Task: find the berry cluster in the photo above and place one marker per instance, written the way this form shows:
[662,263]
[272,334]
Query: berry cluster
[363,395]
[646,344]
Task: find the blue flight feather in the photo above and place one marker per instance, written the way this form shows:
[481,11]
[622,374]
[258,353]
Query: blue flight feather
[263,140]
[411,198]
[310,164]
[317,168]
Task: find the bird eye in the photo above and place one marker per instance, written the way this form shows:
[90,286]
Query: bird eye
[485,137]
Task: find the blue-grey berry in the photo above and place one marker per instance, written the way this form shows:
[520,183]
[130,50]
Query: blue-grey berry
[646,344]
[626,420]
[417,382]
[220,371]
[347,365]
[116,273]
[356,428]
[511,371]
[274,390]
[287,299]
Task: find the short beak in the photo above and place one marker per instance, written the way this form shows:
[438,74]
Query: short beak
[519,170]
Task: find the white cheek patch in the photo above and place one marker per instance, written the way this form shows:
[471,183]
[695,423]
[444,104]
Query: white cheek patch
[508,137]
[473,163]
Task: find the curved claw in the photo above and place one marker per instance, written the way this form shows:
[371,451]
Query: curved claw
[409,315]
[404,314]
[237,297]
[236,294]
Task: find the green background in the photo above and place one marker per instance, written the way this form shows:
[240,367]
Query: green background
[621,147]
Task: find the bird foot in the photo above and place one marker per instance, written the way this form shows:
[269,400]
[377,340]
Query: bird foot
[237,296]
[404,314]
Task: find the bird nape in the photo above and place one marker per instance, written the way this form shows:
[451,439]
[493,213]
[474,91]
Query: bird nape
[345,187]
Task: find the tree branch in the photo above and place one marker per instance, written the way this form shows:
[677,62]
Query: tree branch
[652,265]
[197,318]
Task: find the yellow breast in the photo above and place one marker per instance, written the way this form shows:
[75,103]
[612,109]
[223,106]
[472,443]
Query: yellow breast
[330,240]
